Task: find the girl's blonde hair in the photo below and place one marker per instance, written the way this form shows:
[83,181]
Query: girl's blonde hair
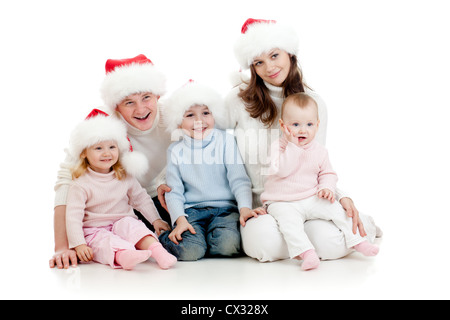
[81,167]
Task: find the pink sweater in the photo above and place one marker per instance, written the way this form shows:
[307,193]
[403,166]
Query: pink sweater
[98,200]
[298,172]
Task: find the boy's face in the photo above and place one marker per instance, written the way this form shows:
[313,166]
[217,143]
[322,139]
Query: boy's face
[139,110]
[303,123]
[197,122]
[102,156]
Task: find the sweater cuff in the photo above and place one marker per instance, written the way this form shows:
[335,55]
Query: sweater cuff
[61,195]
[340,194]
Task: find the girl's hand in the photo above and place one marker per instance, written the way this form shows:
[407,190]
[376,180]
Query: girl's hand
[162,189]
[326,194]
[350,208]
[160,225]
[63,258]
[182,226]
[247,213]
[84,253]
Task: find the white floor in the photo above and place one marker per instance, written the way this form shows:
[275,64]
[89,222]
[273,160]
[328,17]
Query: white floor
[390,275]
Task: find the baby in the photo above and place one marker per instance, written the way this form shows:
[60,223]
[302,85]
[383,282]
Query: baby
[302,183]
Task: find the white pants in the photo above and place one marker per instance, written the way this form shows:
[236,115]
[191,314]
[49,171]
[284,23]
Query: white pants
[262,239]
[292,215]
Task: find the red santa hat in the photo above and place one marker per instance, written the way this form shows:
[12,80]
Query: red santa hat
[191,94]
[259,36]
[129,76]
[97,127]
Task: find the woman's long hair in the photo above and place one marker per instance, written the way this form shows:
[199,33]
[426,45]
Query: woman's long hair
[256,96]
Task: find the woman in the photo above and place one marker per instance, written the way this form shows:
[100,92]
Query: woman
[130,90]
[269,50]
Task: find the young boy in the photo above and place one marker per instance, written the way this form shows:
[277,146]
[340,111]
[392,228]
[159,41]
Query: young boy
[209,185]
[302,183]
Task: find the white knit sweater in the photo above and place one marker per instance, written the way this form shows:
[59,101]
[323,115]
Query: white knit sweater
[254,138]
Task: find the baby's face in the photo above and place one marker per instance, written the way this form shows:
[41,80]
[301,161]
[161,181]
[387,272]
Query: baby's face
[197,122]
[303,123]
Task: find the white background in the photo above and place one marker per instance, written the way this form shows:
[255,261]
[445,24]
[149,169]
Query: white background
[381,66]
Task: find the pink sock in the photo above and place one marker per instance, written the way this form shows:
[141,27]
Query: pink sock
[367,248]
[128,259]
[310,260]
[164,259]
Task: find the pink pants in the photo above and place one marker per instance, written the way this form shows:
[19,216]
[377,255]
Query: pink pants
[121,235]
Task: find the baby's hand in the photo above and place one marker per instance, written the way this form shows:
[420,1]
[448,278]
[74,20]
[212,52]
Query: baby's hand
[247,213]
[289,135]
[84,253]
[326,194]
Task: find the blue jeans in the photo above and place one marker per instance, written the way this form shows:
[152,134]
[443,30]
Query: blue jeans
[217,234]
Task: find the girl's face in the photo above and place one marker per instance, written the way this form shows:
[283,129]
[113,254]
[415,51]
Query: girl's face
[273,66]
[102,156]
[303,123]
[197,122]
[139,110]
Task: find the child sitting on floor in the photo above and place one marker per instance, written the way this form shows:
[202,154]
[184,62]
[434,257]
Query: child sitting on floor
[100,221]
[210,188]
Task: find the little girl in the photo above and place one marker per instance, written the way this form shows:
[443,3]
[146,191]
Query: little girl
[100,221]
[302,183]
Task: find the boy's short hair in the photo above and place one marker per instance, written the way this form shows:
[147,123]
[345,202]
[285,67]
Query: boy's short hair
[301,100]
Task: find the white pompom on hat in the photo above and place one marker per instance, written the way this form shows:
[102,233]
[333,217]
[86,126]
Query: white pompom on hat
[189,95]
[259,36]
[98,127]
[129,76]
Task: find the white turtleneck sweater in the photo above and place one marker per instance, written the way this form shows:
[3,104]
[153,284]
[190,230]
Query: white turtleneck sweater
[152,143]
[254,138]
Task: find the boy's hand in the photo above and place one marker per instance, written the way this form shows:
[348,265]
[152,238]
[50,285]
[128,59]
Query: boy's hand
[182,226]
[160,225]
[84,253]
[326,194]
[247,213]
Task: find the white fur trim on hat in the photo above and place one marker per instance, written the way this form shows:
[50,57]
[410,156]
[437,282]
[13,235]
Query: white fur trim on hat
[130,79]
[189,95]
[102,128]
[261,37]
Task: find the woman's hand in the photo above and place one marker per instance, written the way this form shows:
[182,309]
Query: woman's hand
[182,226]
[247,213]
[63,258]
[162,189]
[160,225]
[351,211]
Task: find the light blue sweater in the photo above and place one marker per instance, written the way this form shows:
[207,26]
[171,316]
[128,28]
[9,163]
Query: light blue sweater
[206,173]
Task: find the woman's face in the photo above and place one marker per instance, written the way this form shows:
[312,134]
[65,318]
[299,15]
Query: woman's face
[273,66]
[139,110]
